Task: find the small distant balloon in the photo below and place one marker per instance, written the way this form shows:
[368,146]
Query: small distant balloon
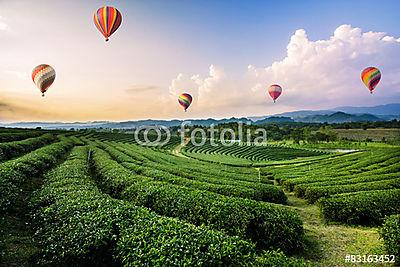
[43,76]
[274,91]
[185,100]
[107,20]
[371,77]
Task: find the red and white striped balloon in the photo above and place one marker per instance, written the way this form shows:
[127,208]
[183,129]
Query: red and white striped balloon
[43,76]
[275,91]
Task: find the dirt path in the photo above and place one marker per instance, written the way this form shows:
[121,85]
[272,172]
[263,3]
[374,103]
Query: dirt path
[177,150]
[328,244]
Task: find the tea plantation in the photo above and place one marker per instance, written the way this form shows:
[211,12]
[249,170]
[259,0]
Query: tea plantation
[101,199]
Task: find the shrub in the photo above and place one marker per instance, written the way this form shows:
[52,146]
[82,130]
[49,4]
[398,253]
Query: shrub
[266,224]
[16,148]
[390,233]
[367,208]
[77,224]
[15,172]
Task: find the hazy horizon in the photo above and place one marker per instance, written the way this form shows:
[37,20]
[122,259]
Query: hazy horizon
[225,54]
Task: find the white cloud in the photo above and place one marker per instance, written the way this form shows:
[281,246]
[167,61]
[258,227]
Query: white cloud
[3,25]
[327,72]
[314,74]
[19,74]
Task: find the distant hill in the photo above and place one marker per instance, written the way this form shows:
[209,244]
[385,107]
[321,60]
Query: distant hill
[339,117]
[121,125]
[389,109]
[336,115]
[386,112]
[275,119]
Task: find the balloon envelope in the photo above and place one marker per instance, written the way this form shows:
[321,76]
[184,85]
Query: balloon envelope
[371,77]
[275,91]
[185,100]
[43,76]
[107,20]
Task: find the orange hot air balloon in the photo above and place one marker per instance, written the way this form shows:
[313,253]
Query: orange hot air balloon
[107,20]
[43,76]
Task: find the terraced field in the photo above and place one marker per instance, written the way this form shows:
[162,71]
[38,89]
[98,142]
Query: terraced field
[101,199]
[359,188]
[130,138]
[244,154]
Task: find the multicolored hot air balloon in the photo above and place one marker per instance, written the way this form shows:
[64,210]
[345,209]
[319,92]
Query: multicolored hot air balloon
[185,100]
[275,91]
[371,77]
[43,76]
[107,20]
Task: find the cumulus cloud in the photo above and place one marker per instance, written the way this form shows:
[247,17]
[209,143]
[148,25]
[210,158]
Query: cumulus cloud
[314,74]
[327,72]
[213,92]
[3,25]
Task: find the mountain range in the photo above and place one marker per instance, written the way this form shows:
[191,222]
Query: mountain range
[335,115]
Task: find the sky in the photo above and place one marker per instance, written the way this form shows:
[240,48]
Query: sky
[225,53]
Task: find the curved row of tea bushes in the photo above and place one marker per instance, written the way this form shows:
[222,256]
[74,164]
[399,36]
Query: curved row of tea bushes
[17,148]
[366,208]
[9,135]
[312,194]
[77,224]
[15,172]
[268,225]
[300,190]
[253,152]
[193,167]
[390,233]
[264,192]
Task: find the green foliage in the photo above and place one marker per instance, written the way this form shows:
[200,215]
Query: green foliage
[13,173]
[9,135]
[199,178]
[370,172]
[266,225]
[312,194]
[390,233]
[277,258]
[367,208]
[77,224]
[252,152]
[16,148]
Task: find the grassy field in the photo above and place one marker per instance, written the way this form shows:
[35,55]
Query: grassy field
[373,134]
[102,199]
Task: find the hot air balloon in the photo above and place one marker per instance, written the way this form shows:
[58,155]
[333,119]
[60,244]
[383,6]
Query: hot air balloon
[107,20]
[275,91]
[43,76]
[185,100]
[371,77]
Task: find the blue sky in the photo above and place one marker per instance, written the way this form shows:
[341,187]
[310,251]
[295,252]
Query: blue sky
[219,31]
[225,53]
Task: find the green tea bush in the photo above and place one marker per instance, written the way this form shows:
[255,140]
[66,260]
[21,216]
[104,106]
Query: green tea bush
[367,208]
[17,148]
[77,224]
[267,225]
[312,194]
[15,172]
[390,233]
